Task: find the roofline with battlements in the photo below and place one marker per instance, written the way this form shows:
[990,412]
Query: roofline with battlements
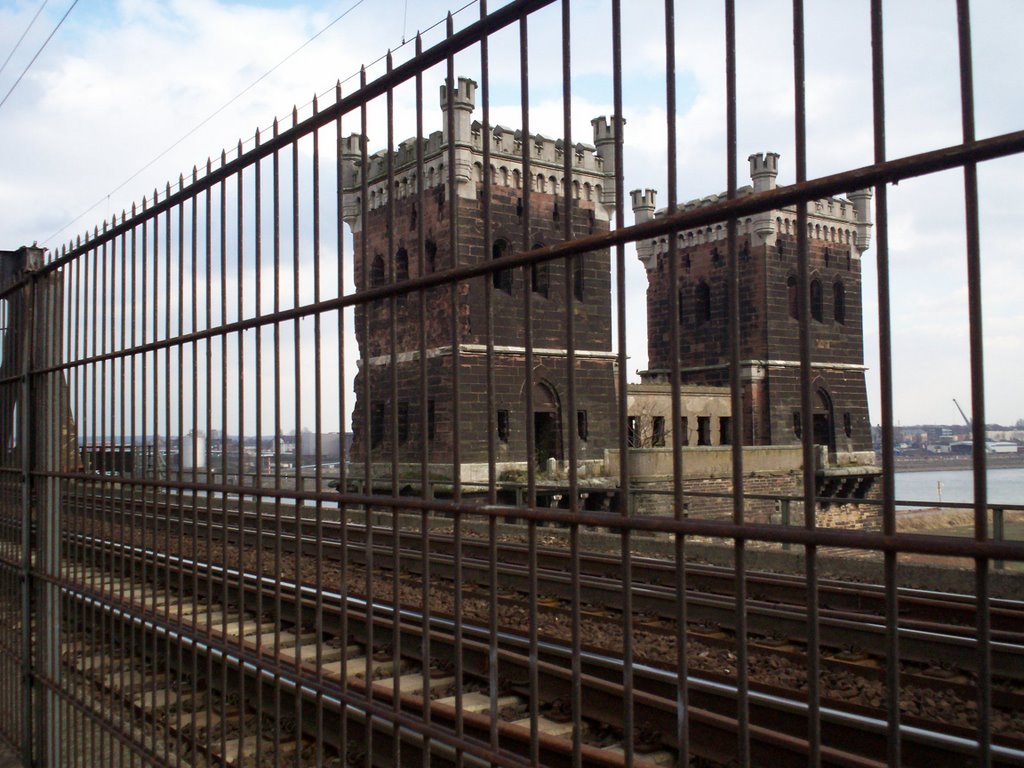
[840,220]
[592,164]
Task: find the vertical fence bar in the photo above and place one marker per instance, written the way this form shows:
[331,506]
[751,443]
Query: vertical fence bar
[45,329]
[528,386]
[490,400]
[625,490]
[974,288]
[806,417]
[675,384]
[573,431]
[736,401]
[892,665]
[425,263]
[25,432]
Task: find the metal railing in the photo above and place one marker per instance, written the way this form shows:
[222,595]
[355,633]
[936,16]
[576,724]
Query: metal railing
[184,612]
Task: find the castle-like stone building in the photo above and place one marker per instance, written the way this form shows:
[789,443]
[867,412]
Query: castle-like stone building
[839,231]
[460,323]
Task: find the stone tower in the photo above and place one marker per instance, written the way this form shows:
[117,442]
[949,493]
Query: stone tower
[839,231]
[593,191]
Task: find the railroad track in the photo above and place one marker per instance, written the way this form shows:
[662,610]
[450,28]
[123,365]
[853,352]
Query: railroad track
[954,612]
[937,630]
[326,671]
[777,719]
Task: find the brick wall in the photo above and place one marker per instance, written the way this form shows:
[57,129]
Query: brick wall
[595,376]
[768,332]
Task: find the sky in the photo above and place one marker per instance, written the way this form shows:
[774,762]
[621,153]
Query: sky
[131,93]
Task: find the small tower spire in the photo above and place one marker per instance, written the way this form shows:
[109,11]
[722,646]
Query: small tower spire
[764,169]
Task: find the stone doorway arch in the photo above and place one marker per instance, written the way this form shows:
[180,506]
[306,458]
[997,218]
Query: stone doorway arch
[547,424]
[824,420]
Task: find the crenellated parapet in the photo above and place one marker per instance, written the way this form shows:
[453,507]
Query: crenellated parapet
[843,221]
[593,165]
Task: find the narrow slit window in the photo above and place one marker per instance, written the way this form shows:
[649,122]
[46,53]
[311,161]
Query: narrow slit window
[839,302]
[703,303]
[503,277]
[703,430]
[658,432]
[503,425]
[582,428]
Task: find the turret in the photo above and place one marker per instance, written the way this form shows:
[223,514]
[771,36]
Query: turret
[463,101]
[604,140]
[643,210]
[764,169]
[351,177]
[861,200]
[643,204]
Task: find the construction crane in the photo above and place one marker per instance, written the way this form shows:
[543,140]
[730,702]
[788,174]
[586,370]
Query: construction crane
[966,420]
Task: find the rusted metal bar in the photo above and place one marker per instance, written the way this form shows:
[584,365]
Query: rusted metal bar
[270,572]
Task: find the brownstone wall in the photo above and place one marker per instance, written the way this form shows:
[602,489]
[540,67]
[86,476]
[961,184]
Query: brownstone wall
[768,332]
[595,396]
[595,380]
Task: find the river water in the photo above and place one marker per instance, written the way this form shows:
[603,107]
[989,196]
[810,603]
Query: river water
[1005,486]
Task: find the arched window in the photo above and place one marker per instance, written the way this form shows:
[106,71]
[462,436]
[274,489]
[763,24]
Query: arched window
[793,298]
[377,271]
[816,302]
[503,277]
[540,275]
[402,265]
[839,302]
[703,303]
[431,249]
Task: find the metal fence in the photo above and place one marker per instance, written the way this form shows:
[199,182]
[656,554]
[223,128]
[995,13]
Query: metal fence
[199,565]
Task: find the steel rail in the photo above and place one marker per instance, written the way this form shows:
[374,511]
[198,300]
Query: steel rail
[651,572]
[935,745]
[922,643]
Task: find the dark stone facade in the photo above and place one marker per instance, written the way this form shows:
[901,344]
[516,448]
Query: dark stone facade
[402,397]
[769,333]
[769,307]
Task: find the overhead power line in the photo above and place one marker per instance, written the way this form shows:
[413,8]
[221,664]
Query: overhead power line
[22,38]
[235,98]
[45,42]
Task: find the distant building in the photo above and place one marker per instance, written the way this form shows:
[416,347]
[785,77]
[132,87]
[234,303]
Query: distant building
[385,256]
[839,231]
[1001,447]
